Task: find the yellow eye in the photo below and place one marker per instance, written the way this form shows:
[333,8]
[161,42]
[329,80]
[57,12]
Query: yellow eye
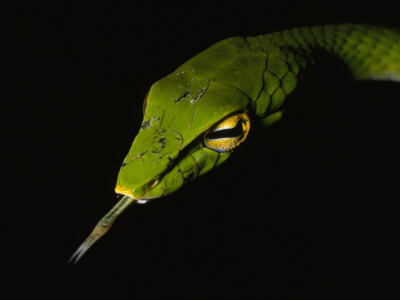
[229,133]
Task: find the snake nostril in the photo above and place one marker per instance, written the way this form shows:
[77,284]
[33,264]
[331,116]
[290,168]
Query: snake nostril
[153,183]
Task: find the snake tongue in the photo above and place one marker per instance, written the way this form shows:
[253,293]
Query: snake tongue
[102,228]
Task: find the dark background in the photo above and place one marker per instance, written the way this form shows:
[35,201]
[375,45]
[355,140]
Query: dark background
[310,204]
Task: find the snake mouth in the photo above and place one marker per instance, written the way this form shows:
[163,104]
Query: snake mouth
[119,189]
[139,193]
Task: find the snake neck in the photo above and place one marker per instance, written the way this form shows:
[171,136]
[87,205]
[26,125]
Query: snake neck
[368,52]
[267,68]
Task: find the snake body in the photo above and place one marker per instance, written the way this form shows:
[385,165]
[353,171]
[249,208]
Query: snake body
[266,67]
[195,116]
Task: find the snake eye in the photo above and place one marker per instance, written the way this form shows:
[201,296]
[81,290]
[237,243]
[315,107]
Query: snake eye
[228,134]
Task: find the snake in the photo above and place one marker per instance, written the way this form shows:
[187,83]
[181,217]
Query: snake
[197,115]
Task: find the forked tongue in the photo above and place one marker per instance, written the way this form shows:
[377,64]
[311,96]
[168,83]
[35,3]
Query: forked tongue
[102,227]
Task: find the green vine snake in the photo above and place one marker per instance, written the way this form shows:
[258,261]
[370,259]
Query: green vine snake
[194,117]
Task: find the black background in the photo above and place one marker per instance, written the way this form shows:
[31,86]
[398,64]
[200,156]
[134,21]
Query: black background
[307,205]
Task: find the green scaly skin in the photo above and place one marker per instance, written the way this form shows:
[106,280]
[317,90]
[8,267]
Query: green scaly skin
[253,74]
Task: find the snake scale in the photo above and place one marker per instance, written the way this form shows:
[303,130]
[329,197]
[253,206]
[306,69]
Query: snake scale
[195,116]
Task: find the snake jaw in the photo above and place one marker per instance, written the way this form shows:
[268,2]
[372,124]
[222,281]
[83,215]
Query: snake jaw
[119,189]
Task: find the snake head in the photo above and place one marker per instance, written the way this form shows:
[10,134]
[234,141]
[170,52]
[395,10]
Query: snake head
[189,126]
[181,136]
